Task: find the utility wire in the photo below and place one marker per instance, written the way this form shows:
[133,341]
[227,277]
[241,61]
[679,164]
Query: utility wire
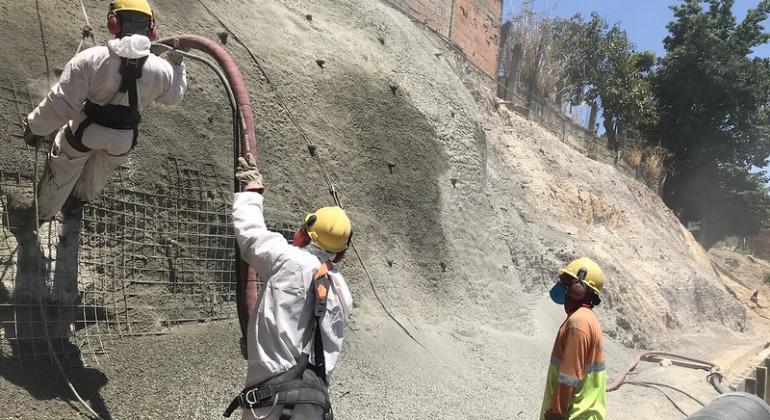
[668,397]
[685,393]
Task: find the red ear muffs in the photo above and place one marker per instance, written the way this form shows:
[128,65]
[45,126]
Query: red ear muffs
[577,291]
[576,287]
[113,23]
[153,33]
[300,238]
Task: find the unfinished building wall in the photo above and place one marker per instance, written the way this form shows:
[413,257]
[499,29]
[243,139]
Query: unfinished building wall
[475,29]
[473,25]
[435,13]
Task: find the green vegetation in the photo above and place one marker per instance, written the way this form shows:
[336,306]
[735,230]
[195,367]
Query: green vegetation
[700,114]
[714,118]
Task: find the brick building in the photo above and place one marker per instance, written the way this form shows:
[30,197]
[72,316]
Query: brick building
[473,25]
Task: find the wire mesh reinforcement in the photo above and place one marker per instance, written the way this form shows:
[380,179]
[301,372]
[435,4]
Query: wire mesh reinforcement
[131,263]
[134,262]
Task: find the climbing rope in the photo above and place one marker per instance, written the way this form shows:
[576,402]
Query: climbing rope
[281,102]
[332,189]
[45,45]
[40,302]
[87,31]
[35,206]
[85,15]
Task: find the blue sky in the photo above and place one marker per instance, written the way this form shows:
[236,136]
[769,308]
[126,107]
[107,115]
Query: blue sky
[644,20]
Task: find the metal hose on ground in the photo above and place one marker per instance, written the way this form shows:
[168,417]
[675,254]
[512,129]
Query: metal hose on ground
[243,129]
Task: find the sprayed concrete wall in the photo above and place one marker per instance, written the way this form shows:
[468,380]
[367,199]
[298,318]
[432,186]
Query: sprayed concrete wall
[473,25]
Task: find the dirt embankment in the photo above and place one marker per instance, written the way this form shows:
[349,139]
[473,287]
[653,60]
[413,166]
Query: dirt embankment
[462,215]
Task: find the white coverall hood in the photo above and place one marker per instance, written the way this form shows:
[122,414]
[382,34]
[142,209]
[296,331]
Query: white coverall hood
[133,46]
[319,253]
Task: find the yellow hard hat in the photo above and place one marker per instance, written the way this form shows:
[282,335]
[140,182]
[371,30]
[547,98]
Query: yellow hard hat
[141,6]
[329,228]
[594,276]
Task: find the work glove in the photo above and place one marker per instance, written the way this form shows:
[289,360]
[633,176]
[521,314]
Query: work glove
[30,138]
[174,57]
[249,174]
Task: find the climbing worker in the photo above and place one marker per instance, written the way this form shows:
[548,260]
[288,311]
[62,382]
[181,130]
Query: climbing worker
[295,332]
[97,105]
[576,381]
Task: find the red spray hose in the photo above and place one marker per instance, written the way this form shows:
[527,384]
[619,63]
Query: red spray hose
[246,287]
[715,378]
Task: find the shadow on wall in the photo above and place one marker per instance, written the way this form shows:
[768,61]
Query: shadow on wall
[393,154]
[27,332]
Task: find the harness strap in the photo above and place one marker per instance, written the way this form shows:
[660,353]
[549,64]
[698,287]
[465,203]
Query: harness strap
[290,388]
[131,71]
[118,117]
[321,284]
[289,394]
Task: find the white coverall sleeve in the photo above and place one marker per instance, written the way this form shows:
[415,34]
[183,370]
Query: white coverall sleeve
[260,248]
[65,99]
[175,85]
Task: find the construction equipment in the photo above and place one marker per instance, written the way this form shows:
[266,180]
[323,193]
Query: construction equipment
[244,142]
[734,406]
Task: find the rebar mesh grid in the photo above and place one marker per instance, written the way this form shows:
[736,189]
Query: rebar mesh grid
[134,262]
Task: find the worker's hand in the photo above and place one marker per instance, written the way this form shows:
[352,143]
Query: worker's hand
[248,173]
[30,138]
[174,57]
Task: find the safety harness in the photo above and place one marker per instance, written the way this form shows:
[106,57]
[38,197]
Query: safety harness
[304,383]
[118,117]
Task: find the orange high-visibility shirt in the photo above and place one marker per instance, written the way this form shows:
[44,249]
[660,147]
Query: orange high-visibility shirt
[575,388]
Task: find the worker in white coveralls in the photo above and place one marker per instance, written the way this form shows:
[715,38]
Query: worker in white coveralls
[96,106]
[295,334]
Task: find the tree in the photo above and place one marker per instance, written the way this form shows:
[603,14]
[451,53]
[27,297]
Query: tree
[713,102]
[604,69]
[625,89]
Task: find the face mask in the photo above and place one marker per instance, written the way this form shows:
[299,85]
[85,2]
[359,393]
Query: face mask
[559,293]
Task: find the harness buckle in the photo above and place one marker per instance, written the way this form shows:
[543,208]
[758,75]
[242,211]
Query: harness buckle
[251,397]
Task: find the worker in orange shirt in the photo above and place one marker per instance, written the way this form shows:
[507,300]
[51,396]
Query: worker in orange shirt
[575,387]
